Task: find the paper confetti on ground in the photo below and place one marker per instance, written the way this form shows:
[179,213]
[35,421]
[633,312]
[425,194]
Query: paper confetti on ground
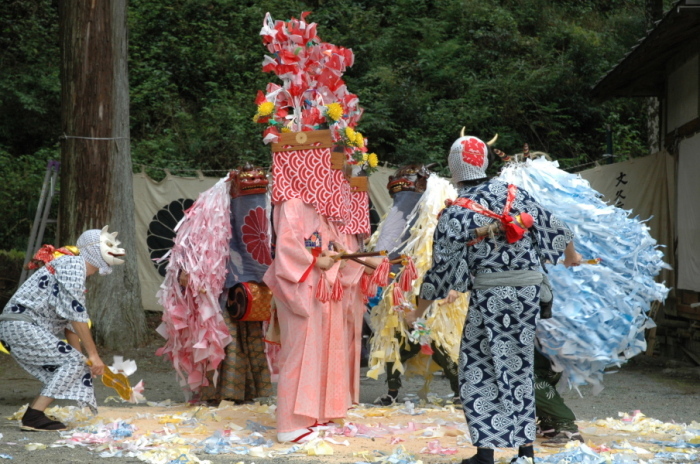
[180,433]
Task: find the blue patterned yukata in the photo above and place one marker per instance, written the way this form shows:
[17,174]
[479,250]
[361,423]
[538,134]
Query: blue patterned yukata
[496,354]
[41,310]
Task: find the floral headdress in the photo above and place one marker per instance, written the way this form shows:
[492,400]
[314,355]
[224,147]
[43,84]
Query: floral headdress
[313,95]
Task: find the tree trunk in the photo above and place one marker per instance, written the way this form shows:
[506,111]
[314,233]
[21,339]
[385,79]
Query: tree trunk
[96,175]
[654,10]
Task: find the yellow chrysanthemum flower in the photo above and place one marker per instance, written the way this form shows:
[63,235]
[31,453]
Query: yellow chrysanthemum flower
[334,111]
[350,134]
[373,160]
[266,108]
[365,156]
[286,129]
[359,140]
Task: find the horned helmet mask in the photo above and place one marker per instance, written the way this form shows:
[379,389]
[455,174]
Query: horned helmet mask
[469,158]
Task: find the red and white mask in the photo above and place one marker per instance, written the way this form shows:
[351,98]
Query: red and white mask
[468,159]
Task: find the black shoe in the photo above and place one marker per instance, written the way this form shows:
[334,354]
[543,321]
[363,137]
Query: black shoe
[38,422]
[482,456]
[477,460]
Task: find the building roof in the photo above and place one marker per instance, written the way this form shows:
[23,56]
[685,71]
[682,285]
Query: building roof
[641,72]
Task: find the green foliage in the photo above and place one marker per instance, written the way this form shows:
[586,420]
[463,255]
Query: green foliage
[522,72]
[29,81]
[195,69]
[423,69]
[10,270]
[22,177]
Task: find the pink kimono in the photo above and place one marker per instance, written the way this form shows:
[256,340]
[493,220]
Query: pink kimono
[354,309]
[314,379]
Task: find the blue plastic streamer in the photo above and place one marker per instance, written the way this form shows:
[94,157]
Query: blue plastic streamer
[599,311]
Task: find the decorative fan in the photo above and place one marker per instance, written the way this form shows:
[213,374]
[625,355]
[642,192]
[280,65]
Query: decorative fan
[161,231]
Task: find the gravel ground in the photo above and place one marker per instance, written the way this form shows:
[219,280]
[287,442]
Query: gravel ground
[662,389]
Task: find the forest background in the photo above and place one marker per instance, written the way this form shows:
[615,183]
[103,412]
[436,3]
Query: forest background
[423,69]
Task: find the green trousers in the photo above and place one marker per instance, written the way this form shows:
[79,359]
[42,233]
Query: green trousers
[442,359]
[550,408]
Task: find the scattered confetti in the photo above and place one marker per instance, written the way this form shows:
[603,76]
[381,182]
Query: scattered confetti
[179,433]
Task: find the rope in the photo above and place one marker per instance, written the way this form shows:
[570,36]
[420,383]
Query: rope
[64,136]
[183,169]
[570,169]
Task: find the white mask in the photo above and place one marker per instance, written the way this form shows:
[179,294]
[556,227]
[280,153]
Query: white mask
[109,247]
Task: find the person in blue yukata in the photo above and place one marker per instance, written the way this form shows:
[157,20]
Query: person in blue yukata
[49,306]
[489,242]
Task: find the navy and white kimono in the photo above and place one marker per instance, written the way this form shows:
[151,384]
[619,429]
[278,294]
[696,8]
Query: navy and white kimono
[496,354]
[41,309]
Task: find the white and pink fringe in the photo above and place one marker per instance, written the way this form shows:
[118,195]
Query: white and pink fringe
[193,325]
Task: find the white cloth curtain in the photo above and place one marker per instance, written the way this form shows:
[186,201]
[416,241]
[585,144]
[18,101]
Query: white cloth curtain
[646,187]
[151,197]
[689,214]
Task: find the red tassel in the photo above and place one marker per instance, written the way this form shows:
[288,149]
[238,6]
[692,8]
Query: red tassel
[367,287]
[408,275]
[322,291]
[373,289]
[380,276]
[337,293]
[513,231]
[365,282]
[397,294]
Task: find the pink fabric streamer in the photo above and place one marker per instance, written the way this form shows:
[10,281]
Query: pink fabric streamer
[435,448]
[193,324]
[352,429]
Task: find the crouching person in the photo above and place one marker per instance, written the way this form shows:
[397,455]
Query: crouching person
[50,306]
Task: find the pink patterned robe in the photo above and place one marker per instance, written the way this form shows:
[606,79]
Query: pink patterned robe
[354,308]
[314,379]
